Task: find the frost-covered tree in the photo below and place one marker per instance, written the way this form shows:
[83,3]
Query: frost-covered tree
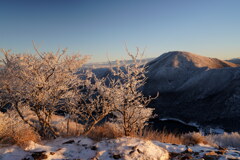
[129,102]
[93,103]
[118,93]
[46,82]
[41,81]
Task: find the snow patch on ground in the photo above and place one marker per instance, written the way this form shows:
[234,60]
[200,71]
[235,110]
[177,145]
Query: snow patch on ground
[130,149]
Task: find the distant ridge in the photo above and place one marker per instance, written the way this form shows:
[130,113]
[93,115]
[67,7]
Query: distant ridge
[234,60]
[188,60]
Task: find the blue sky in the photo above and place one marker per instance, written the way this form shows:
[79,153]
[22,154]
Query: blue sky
[100,27]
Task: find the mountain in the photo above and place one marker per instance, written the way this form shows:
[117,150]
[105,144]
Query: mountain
[195,88]
[186,60]
[235,60]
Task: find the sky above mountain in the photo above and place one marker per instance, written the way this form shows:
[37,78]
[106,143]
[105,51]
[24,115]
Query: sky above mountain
[103,27]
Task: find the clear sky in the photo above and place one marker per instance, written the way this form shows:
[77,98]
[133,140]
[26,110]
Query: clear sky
[100,27]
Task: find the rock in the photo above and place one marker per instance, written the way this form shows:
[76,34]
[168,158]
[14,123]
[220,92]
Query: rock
[212,153]
[52,153]
[93,148]
[221,151]
[139,151]
[58,149]
[173,154]
[39,155]
[195,153]
[188,150]
[69,142]
[187,156]
[131,152]
[206,157]
[116,156]
[134,148]
[221,148]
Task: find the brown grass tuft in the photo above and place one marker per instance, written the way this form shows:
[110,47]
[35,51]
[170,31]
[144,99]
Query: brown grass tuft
[194,138]
[105,131]
[163,136]
[14,131]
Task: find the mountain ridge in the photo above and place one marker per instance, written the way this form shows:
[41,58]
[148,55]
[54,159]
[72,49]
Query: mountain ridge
[195,88]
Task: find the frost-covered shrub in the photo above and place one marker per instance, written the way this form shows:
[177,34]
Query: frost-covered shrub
[41,81]
[129,102]
[226,139]
[46,82]
[92,104]
[119,94]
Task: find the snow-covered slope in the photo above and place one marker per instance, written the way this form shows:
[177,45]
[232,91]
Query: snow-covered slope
[195,89]
[86,149]
[125,148]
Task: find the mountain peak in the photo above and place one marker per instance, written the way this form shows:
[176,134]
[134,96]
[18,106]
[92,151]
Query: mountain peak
[187,60]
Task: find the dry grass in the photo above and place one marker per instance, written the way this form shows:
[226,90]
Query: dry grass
[66,128]
[105,131]
[62,126]
[225,140]
[113,130]
[163,136]
[194,138]
[14,131]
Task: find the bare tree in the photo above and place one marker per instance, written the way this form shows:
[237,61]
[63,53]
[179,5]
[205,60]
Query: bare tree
[119,93]
[93,103]
[42,81]
[130,103]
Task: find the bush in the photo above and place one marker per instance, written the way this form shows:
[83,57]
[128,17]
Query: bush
[47,82]
[42,82]
[14,131]
[131,106]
